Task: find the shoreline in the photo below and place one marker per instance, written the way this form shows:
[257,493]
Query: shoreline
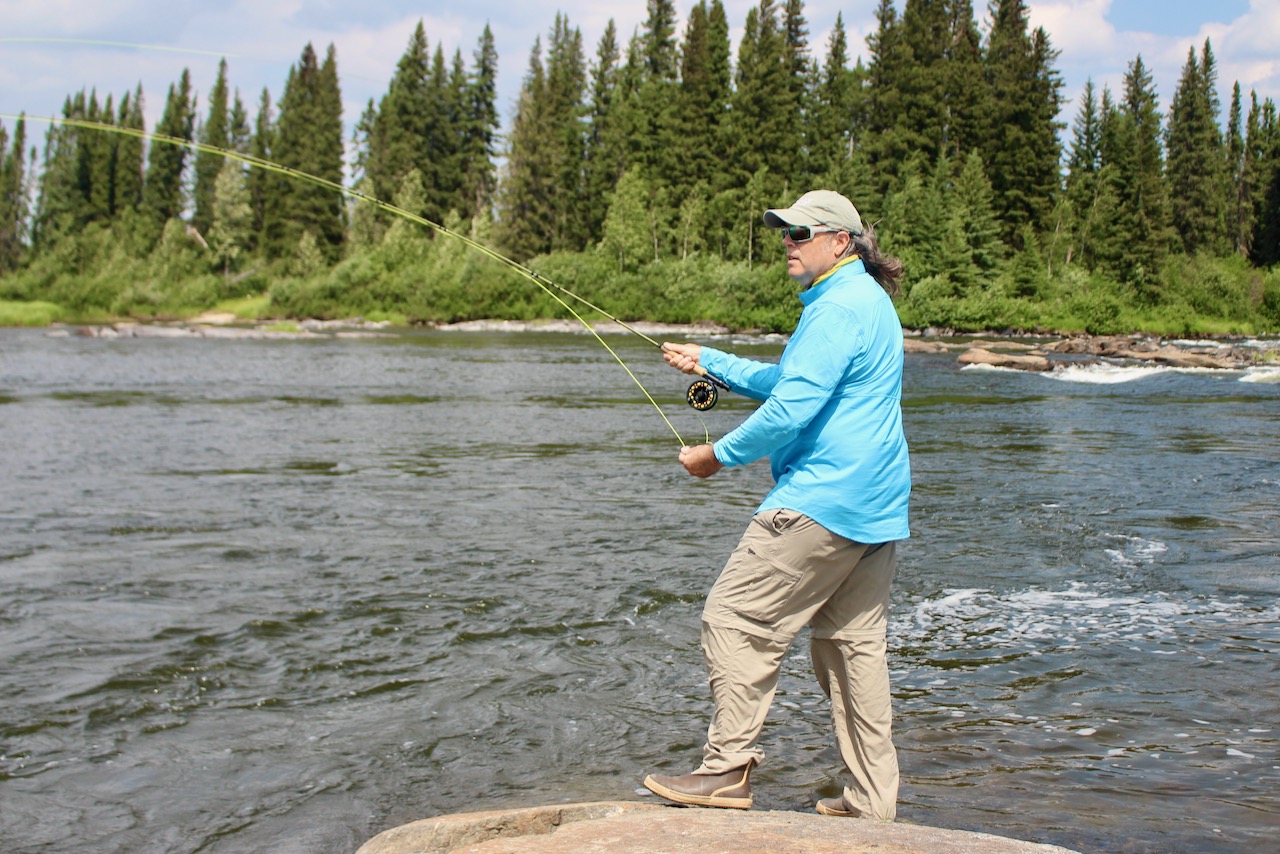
[1039,352]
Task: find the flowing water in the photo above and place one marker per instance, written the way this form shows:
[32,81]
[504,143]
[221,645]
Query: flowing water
[279,595]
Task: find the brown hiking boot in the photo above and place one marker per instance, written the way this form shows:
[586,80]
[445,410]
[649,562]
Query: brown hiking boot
[838,807]
[732,789]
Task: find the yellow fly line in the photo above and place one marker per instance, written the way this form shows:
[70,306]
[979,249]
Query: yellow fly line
[549,287]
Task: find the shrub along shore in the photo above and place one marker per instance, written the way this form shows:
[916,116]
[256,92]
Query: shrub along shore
[408,280]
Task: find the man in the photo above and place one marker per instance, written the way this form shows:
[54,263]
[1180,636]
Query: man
[820,549]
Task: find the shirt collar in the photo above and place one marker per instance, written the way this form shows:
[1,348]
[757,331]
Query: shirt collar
[822,284]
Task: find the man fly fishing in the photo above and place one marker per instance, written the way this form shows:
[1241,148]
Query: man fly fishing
[820,549]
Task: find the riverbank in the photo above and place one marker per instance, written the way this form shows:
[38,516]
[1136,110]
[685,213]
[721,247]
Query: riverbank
[1019,352]
[624,827]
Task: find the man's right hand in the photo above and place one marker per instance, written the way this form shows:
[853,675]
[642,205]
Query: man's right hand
[682,357]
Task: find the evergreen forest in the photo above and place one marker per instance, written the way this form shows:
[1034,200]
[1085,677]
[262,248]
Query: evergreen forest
[634,172]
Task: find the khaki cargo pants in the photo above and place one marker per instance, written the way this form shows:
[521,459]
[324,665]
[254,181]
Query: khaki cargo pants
[788,572]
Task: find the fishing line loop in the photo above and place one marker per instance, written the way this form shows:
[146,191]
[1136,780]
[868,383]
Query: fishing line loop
[548,286]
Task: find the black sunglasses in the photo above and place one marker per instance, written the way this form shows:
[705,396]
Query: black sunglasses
[803,233]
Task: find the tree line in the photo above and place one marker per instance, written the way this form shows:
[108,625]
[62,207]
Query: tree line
[639,172]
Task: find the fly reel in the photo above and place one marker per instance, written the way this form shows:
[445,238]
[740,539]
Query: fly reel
[702,395]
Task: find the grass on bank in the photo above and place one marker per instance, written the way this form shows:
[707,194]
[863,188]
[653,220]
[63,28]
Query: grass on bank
[35,313]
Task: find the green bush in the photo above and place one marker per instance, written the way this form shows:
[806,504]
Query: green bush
[1210,287]
[414,275]
[1269,307]
[28,313]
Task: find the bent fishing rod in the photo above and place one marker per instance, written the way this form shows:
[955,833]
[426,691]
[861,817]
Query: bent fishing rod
[702,393]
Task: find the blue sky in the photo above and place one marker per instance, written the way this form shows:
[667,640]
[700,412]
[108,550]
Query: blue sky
[53,48]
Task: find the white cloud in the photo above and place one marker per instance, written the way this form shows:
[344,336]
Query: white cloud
[1091,47]
[262,38]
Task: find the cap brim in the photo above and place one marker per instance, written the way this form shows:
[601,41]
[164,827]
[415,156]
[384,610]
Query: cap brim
[779,217]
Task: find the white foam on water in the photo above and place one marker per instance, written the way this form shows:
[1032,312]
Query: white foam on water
[981,367]
[1086,731]
[1037,621]
[1231,751]
[1261,375]
[1103,374]
[1135,551]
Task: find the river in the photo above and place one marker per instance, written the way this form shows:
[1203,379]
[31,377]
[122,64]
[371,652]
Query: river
[279,595]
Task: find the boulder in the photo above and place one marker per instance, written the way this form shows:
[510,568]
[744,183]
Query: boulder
[915,345]
[637,828]
[1175,357]
[1027,362]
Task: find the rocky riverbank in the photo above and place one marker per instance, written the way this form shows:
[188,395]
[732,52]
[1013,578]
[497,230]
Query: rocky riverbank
[1038,354]
[1131,350]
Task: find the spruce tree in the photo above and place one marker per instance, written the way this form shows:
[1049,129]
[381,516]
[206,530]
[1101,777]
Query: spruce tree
[799,74]
[61,206]
[1101,233]
[162,194]
[98,161]
[655,145]
[1240,211]
[239,130]
[402,133]
[566,88]
[972,201]
[215,131]
[965,86]
[762,133]
[439,146]
[922,88]
[886,143]
[480,129]
[1266,239]
[130,154]
[702,102]
[1088,194]
[1197,162]
[1023,150]
[259,181]
[525,194]
[917,214]
[605,150]
[13,196]
[308,138]
[330,152]
[1144,218]
[832,135]
[700,115]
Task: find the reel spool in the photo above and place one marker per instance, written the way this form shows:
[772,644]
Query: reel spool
[702,395]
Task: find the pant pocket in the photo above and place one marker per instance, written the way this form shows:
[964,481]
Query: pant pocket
[759,587]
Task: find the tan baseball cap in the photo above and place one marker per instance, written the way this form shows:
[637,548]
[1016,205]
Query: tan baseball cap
[816,208]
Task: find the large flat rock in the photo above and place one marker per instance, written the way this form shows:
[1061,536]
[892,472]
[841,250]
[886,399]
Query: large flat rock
[619,827]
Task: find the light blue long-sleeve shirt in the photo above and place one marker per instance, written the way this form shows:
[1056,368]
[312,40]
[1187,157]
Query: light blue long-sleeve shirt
[831,417]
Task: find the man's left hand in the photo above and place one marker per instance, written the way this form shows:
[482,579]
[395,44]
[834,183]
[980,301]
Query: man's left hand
[699,460]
